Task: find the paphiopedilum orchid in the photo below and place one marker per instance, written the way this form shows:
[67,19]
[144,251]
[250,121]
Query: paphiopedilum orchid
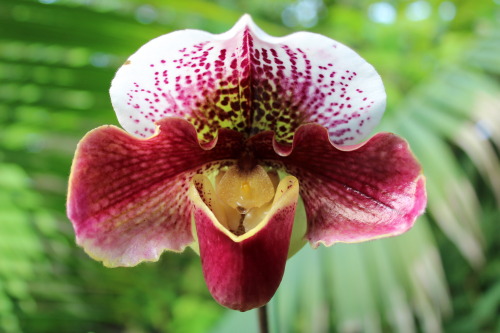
[225,132]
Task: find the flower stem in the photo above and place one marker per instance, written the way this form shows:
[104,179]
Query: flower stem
[263,322]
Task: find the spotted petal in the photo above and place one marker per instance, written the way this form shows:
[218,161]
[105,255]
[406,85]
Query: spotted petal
[243,272]
[128,197]
[249,81]
[355,193]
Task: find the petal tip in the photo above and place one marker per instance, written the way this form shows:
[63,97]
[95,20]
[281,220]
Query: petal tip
[246,21]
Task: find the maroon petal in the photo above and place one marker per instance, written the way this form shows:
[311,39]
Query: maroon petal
[243,272]
[128,197]
[352,194]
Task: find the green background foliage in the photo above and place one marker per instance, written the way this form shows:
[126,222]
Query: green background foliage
[441,66]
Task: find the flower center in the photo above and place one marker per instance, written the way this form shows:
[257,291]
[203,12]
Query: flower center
[245,197]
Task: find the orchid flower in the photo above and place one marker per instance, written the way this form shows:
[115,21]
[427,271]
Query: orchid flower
[223,134]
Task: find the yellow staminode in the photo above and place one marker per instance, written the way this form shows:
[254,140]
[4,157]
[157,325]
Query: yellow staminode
[228,219]
[242,202]
[244,190]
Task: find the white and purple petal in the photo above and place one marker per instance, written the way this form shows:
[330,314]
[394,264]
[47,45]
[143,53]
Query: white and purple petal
[249,81]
